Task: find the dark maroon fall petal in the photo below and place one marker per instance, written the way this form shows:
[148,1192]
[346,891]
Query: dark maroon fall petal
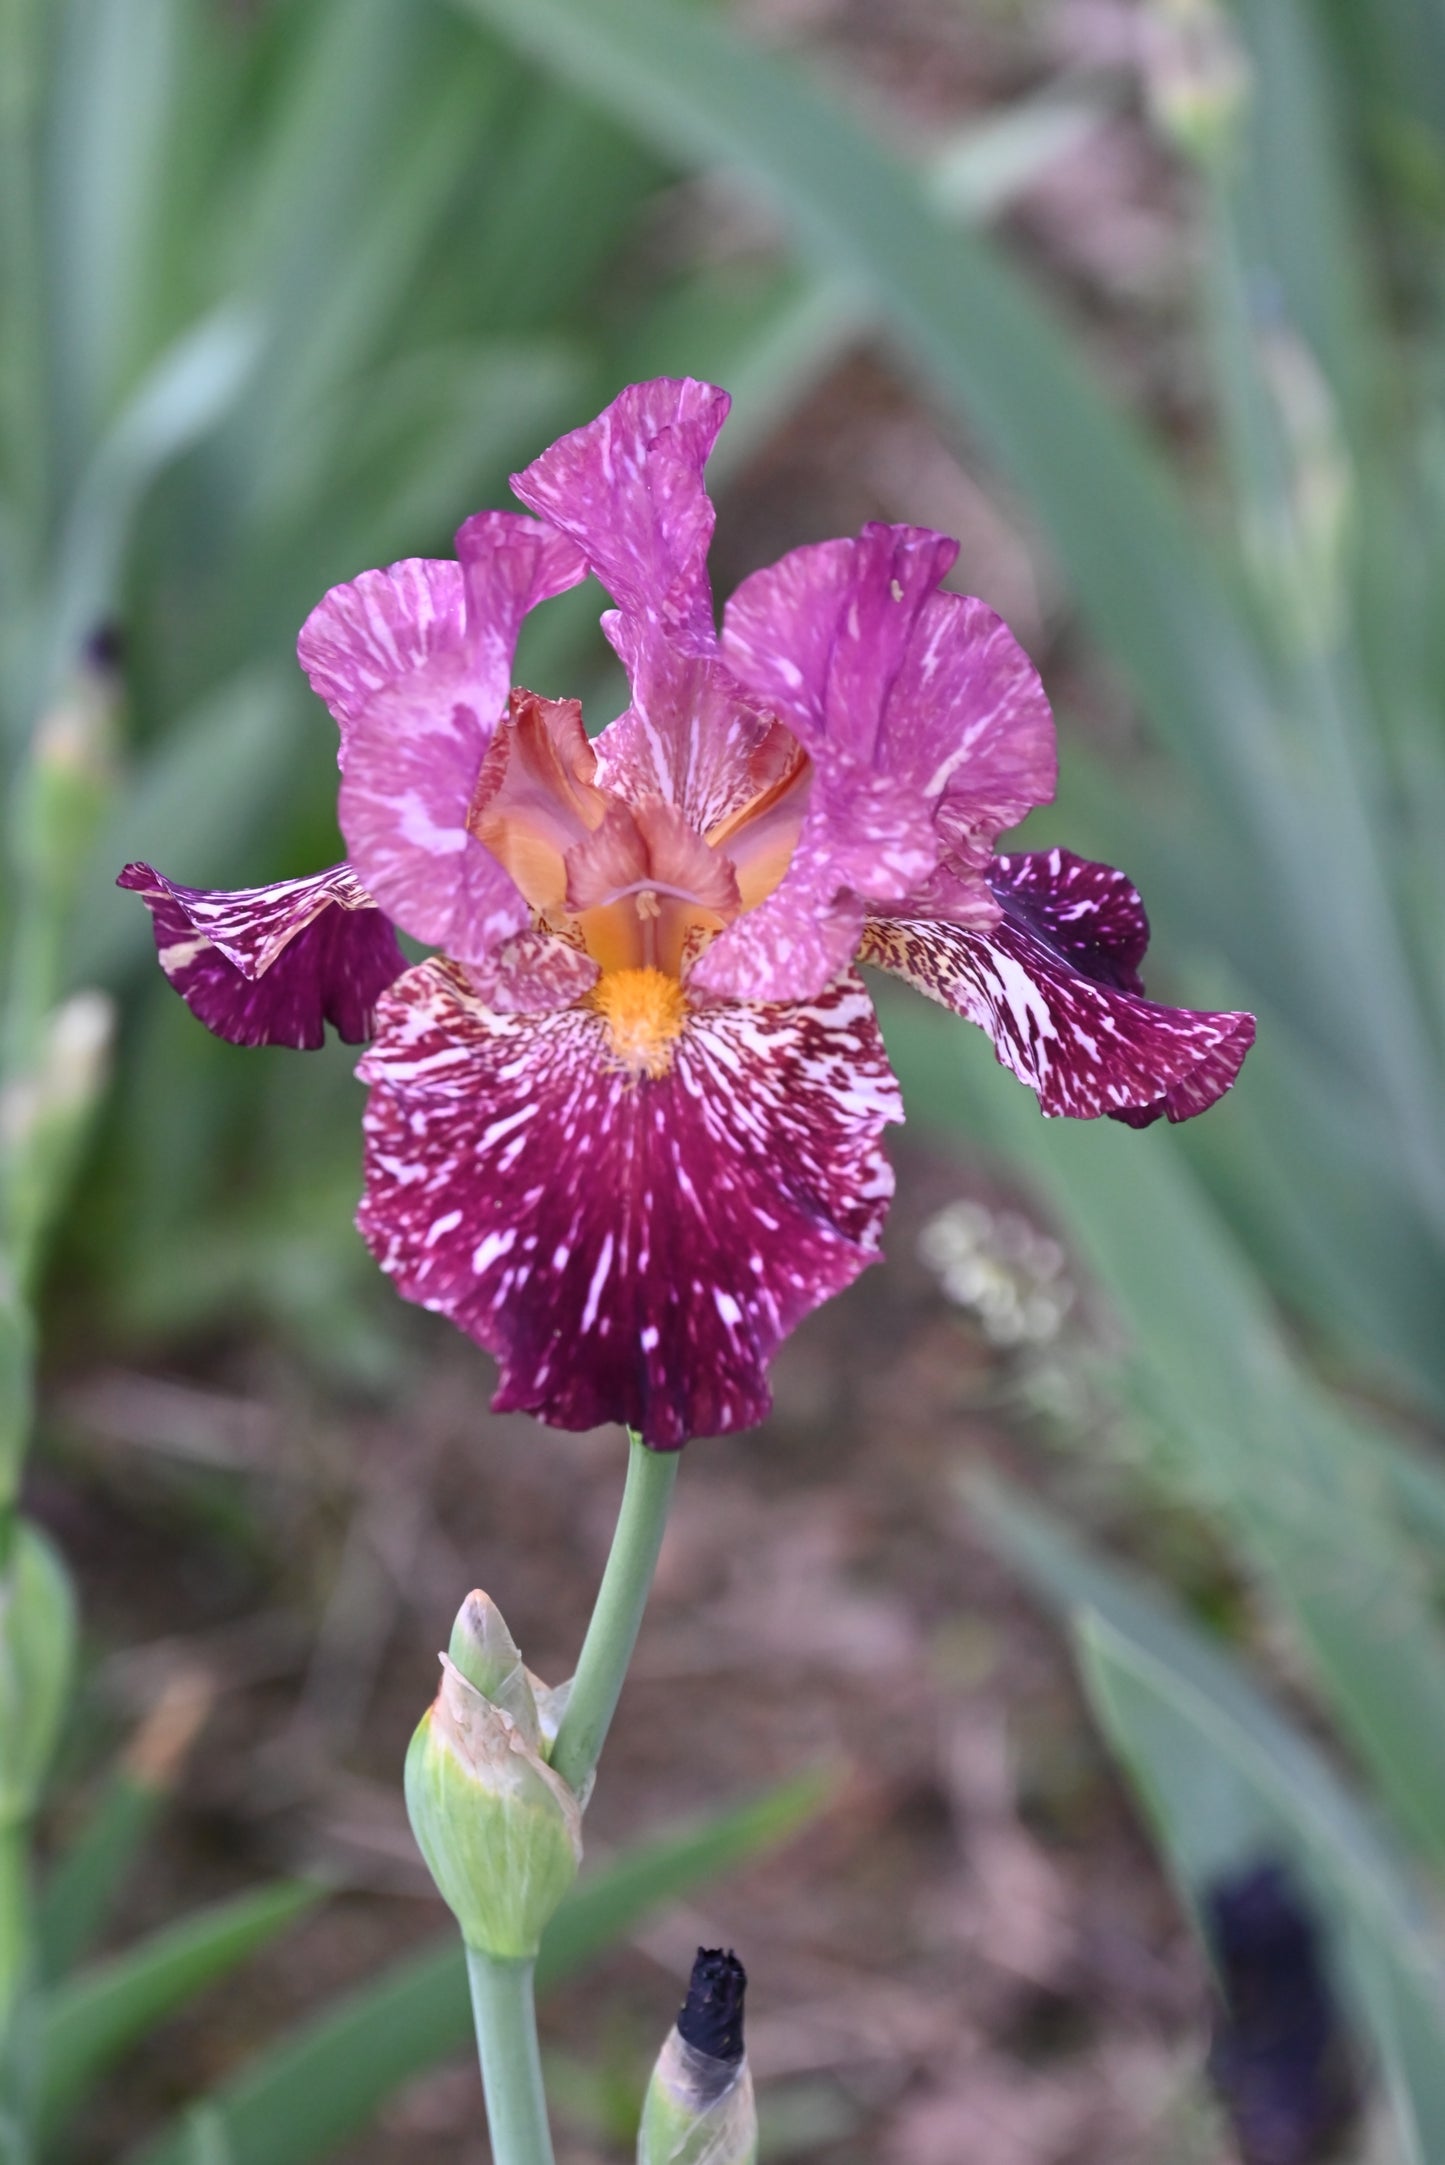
[1089,914]
[274,965]
[1055,983]
[631,1249]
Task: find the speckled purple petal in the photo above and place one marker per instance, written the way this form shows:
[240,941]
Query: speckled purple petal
[415,746]
[628,490]
[274,965]
[630,1249]
[531,974]
[1087,913]
[365,636]
[851,644]
[691,734]
[1056,986]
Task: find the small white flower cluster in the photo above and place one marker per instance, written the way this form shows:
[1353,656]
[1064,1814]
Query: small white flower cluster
[1006,1273]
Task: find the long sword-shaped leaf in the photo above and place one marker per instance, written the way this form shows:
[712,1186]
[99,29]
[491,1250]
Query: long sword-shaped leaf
[93,2019]
[298,2103]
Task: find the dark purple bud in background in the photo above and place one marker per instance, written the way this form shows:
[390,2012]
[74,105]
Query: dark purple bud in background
[712,2014]
[1281,2057]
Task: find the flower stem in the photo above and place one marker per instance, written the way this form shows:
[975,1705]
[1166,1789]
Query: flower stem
[506,2018]
[621,1599]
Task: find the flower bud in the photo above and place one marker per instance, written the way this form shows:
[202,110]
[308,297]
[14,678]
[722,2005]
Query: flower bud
[1196,76]
[37,1646]
[488,1657]
[699,2108]
[501,1833]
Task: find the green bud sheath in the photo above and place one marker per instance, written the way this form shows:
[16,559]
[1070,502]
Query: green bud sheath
[688,2119]
[501,1833]
[699,2108]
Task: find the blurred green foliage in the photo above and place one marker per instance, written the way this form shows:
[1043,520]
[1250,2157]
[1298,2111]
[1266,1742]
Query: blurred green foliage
[287,289]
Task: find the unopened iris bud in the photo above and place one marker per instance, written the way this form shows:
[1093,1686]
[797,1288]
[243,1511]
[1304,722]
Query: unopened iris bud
[489,1658]
[501,1833]
[1196,76]
[699,2108]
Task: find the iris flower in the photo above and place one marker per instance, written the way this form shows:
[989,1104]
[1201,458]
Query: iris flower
[625,1126]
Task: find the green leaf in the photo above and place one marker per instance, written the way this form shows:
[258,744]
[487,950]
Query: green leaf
[300,2101]
[95,2017]
[112,86]
[76,1900]
[181,398]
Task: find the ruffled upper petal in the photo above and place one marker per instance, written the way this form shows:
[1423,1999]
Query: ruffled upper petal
[1056,985]
[415,745]
[629,492]
[628,489]
[631,1247]
[852,644]
[691,734]
[365,636]
[274,965]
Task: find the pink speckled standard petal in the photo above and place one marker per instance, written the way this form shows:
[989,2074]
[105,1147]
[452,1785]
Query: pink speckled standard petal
[274,965]
[628,489]
[1049,988]
[630,1249]
[852,645]
[691,734]
[369,634]
[415,749]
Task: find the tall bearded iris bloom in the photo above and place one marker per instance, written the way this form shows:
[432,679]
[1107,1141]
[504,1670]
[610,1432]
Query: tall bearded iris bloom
[625,1127]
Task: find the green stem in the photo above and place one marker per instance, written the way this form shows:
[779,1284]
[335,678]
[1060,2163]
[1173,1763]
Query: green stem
[621,1599]
[505,2013]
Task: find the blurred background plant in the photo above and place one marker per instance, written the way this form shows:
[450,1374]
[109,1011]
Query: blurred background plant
[287,289]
